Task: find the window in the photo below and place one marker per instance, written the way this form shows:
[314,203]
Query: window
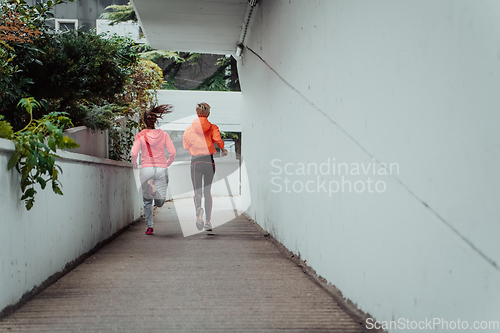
[66,24]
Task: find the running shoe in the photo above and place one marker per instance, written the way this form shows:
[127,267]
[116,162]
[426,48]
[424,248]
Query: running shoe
[149,231]
[152,187]
[199,218]
[208,226]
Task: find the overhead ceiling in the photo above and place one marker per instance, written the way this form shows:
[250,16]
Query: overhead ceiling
[203,26]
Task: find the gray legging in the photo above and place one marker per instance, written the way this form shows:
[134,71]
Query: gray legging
[202,175]
[160,177]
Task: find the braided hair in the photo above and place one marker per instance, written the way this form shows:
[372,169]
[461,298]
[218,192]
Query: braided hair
[156,112]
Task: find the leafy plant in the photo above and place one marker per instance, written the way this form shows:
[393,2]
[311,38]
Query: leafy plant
[16,38]
[140,91]
[140,94]
[121,140]
[81,66]
[230,135]
[35,150]
[146,52]
[34,16]
[100,118]
[225,78]
[20,26]
[236,137]
[120,13]
[13,29]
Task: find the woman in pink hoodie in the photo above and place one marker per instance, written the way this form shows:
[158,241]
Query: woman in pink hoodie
[154,164]
[199,140]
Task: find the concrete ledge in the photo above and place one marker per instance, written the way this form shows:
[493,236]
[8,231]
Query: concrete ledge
[7,145]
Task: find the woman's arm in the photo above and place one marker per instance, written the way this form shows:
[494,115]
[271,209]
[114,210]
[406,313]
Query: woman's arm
[216,137]
[185,138]
[170,148]
[135,151]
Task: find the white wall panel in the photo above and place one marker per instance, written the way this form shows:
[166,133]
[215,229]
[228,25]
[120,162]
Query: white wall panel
[406,82]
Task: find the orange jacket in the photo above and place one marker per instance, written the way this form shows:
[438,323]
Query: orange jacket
[199,138]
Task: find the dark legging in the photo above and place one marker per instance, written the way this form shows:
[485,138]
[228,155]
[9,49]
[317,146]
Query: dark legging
[202,175]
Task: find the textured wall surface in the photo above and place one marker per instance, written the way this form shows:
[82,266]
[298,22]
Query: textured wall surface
[99,199]
[372,148]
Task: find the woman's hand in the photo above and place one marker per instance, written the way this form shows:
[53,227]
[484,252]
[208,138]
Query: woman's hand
[224,152]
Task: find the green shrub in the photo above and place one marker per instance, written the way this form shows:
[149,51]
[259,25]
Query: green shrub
[20,25]
[101,118]
[81,66]
[35,150]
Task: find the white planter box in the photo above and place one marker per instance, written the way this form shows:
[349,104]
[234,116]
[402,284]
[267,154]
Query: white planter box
[91,143]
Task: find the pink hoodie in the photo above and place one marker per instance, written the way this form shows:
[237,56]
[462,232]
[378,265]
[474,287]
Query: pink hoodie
[155,155]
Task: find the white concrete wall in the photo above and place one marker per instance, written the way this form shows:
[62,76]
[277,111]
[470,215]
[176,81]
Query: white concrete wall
[99,199]
[225,109]
[128,29]
[409,82]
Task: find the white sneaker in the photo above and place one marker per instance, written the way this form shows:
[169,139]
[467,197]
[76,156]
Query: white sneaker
[208,226]
[199,218]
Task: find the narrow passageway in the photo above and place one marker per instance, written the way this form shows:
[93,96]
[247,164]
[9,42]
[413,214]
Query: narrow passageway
[230,280]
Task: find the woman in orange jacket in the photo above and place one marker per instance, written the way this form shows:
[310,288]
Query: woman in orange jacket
[199,140]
